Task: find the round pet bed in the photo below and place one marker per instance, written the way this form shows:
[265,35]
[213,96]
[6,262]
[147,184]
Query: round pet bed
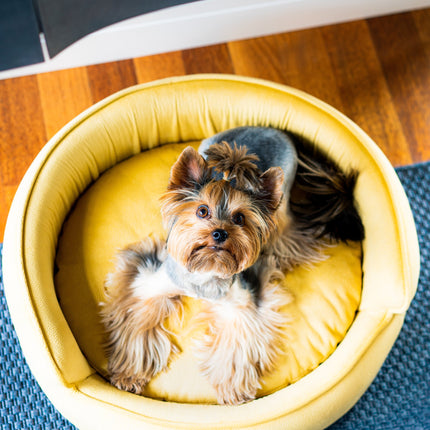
[94,188]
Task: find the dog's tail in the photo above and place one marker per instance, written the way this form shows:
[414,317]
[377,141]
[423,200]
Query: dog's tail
[322,199]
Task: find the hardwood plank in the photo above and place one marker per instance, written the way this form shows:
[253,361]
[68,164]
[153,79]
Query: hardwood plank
[64,95]
[6,197]
[22,131]
[366,97]
[159,66]
[22,135]
[259,58]
[106,79]
[406,66]
[210,59]
[422,22]
[291,59]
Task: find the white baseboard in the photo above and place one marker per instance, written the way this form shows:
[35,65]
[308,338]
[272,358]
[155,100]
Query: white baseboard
[209,22]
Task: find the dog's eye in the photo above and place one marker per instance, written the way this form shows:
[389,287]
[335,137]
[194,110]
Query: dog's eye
[202,211]
[239,219]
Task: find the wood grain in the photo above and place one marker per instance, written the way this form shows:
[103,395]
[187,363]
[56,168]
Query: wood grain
[159,66]
[106,79]
[22,131]
[299,59]
[362,86]
[259,58]
[22,135]
[7,194]
[405,66]
[422,22]
[211,59]
[376,71]
[63,95]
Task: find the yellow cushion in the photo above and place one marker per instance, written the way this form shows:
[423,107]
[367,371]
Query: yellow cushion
[188,109]
[122,207]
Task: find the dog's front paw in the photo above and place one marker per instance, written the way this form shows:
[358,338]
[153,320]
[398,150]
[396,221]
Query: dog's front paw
[135,360]
[133,384]
[242,343]
[239,389]
[230,367]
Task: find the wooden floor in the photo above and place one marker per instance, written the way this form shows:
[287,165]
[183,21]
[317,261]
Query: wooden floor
[376,71]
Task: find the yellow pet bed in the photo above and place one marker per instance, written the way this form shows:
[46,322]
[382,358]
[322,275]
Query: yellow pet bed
[94,188]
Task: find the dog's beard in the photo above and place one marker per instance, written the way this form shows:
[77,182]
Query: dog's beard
[194,249]
[216,259]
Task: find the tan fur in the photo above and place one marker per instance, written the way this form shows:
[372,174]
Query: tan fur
[235,163]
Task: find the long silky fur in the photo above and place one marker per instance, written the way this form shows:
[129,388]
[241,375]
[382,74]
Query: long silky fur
[137,343]
[322,198]
[235,163]
[243,339]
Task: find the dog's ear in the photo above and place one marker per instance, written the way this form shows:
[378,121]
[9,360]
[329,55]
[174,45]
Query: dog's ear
[271,191]
[189,171]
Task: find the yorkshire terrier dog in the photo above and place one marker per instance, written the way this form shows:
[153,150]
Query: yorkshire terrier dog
[248,206]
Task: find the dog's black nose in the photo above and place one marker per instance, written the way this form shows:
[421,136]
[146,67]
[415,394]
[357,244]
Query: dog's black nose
[219,236]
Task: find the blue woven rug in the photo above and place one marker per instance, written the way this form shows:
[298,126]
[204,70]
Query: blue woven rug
[399,398]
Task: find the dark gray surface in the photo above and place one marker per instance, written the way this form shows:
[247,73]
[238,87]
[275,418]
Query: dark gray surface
[19,34]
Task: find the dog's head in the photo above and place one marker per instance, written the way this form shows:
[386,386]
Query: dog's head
[220,212]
